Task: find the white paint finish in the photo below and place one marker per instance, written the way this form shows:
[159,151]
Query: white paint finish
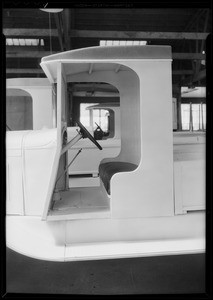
[117,116]
[150,186]
[149,236]
[14,140]
[14,172]
[14,191]
[187,137]
[133,249]
[146,139]
[30,169]
[189,171]
[89,159]
[127,84]
[39,148]
[187,226]
[151,195]
[32,237]
[189,185]
[178,189]
[60,127]
[42,107]
[129,87]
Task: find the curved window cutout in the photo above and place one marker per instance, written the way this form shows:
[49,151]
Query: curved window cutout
[19,110]
[97,105]
[100,118]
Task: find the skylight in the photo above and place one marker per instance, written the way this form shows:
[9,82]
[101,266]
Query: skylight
[24,42]
[122,43]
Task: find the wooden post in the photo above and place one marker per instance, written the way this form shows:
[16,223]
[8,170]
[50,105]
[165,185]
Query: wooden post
[177,95]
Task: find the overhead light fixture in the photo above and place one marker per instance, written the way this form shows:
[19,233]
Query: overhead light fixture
[52,10]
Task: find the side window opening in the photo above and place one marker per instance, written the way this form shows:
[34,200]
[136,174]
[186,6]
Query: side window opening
[97,106]
[19,110]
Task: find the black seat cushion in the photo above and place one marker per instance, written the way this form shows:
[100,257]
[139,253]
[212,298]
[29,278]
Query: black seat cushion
[107,170]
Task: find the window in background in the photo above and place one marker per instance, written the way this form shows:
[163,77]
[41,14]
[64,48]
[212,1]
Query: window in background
[100,119]
[85,113]
[193,116]
[19,110]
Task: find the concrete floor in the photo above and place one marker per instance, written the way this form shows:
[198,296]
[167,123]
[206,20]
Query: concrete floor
[150,275]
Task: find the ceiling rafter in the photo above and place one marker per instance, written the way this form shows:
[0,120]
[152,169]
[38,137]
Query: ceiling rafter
[40,71]
[38,54]
[185,30]
[138,35]
[19,32]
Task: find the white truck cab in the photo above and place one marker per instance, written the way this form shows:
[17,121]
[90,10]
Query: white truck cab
[148,193]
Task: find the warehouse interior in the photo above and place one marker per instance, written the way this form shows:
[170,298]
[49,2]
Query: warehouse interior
[33,33]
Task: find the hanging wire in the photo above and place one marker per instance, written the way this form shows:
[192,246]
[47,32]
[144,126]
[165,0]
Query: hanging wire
[50,33]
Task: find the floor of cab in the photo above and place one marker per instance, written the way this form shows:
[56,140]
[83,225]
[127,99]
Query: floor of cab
[80,203]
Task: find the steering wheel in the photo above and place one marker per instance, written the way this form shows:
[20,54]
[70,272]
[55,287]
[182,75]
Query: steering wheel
[85,134]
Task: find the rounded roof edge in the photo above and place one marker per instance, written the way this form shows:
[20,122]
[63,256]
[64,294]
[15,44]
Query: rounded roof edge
[10,82]
[113,52]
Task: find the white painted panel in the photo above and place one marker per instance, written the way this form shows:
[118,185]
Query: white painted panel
[46,240]
[39,148]
[14,192]
[136,229]
[193,184]
[89,159]
[42,107]
[61,86]
[87,162]
[148,191]
[133,249]
[145,136]
[32,237]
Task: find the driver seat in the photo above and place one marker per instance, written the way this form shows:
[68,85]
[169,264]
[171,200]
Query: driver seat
[107,170]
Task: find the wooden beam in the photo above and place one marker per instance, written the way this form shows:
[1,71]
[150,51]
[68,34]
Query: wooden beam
[185,56]
[26,32]
[40,71]
[104,34]
[38,54]
[182,72]
[29,54]
[24,71]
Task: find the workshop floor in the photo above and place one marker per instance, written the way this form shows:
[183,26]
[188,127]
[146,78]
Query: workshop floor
[149,275]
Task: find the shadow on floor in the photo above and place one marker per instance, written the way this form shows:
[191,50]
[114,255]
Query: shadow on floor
[150,275]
